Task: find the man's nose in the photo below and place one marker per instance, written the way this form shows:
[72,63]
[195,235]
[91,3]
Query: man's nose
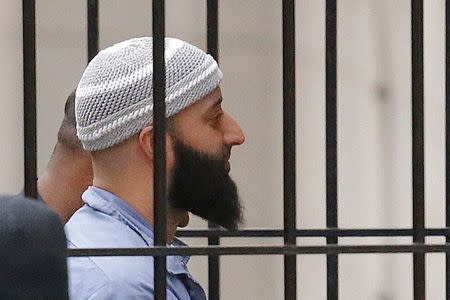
[233,134]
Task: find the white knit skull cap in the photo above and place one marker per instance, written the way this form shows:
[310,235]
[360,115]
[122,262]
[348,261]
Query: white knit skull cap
[114,98]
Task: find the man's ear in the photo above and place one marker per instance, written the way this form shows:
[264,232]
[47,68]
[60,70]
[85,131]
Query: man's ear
[146,141]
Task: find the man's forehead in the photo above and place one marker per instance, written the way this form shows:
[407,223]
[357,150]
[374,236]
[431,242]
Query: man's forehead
[213,98]
[210,101]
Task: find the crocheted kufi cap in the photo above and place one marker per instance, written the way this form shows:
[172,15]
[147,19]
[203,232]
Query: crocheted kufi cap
[114,98]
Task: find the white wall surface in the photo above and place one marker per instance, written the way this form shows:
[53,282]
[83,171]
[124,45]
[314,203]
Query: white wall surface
[374,124]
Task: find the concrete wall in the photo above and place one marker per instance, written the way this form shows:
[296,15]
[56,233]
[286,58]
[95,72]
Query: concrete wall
[374,121]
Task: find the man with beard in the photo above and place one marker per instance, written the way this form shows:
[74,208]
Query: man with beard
[114,111]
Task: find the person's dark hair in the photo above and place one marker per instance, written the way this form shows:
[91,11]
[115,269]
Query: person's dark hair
[67,133]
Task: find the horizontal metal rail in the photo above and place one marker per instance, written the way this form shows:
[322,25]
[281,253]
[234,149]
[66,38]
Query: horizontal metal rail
[330,232]
[261,250]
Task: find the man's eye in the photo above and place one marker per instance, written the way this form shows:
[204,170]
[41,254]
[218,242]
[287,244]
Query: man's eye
[216,120]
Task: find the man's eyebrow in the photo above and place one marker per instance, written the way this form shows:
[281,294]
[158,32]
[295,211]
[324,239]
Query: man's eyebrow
[218,102]
[215,104]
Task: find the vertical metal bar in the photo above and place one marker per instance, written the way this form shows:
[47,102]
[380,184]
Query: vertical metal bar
[418,185]
[212,17]
[159,142]
[331,143]
[29,97]
[447,139]
[289,149]
[92,20]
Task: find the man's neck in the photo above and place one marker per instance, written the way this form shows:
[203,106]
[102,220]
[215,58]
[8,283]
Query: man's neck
[62,184]
[141,199]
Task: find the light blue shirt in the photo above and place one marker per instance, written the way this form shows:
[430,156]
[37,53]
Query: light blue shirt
[107,221]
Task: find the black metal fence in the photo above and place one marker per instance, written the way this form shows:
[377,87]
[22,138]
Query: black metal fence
[290,249]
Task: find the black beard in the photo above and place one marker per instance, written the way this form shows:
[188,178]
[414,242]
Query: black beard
[201,185]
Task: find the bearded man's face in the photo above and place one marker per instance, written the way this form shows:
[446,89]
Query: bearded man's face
[200,182]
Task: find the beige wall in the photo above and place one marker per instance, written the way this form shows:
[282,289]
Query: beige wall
[374,132]
[11,93]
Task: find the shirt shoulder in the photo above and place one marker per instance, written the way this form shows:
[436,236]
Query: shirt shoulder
[112,277]
[120,290]
[91,279]
[90,228]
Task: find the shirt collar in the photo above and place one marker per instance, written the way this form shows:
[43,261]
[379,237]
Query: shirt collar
[114,206]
